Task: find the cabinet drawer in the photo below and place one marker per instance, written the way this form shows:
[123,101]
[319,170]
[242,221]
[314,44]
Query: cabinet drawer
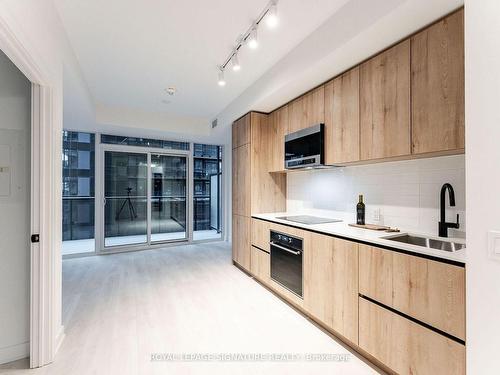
[430,291]
[375,274]
[405,346]
[261,234]
[260,264]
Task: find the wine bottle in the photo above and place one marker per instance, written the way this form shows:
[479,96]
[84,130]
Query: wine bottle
[360,211]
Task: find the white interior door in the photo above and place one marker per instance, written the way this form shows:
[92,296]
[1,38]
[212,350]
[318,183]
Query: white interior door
[15,141]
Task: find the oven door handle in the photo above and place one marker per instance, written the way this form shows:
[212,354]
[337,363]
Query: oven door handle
[284,248]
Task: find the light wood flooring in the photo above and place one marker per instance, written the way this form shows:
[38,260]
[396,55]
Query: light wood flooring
[119,309]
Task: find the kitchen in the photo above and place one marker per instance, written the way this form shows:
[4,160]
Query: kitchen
[349,202]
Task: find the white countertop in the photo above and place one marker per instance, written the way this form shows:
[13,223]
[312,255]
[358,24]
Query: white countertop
[372,236]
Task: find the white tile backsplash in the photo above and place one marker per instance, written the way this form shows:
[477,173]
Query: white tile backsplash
[405,192]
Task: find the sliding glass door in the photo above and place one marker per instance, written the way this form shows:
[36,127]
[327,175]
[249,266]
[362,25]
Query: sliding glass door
[125,198]
[168,197]
[145,198]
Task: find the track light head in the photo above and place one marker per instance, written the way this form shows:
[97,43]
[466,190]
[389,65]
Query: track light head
[272,16]
[252,40]
[235,62]
[221,82]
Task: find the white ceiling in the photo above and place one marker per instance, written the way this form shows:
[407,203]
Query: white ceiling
[131,50]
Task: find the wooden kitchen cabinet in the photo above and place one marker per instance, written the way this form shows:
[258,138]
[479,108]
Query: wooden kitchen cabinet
[306,111]
[241,131]
[342,118]
[278,121]
[375,273]
[268,192]
[437,82]
[430,291]
[254,189]
[241,241]
[260,264]
[331,283]
[241,180]
[385,104]
[405,346]
[261,234]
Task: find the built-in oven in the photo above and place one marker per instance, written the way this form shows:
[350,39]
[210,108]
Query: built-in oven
[305,148]
[286,261]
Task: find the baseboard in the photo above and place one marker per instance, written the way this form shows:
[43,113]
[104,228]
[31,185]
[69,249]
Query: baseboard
[14,352]
[59,338]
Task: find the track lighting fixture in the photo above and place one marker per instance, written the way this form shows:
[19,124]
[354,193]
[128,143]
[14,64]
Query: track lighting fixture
[221,81]
[235,61]
[250,38]
[272,16]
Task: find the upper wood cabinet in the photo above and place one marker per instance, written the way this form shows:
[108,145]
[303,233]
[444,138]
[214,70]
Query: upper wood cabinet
[241,131]
[342,118]
[437,81]
[331,283]
[278,121]
[268,191]
[430,291]
[241,180]
[385,104]
[306,111]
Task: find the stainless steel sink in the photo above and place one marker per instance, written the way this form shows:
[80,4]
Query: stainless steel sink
[426,242]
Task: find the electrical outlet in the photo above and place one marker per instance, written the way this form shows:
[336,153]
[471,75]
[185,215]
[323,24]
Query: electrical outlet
[376,214]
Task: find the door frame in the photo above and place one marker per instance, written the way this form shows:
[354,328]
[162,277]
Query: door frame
[99,194]
[46,333]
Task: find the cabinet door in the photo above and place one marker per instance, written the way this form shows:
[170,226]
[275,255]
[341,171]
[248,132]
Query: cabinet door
[268,191]
[342,118]
[306,111]
[241,131]
[261,234]
[407,347]
[432,292]
[375,274]
[241,180]
[385,104]
[437,67]
[331,284]
[260,264]
[278,121]
[241,241]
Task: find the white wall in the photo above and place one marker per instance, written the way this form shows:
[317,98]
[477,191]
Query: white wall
[38,29]
[15,120]
[482,93]
[405,192]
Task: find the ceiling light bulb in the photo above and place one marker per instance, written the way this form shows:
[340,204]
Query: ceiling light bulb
[252,38]
[236,63]
[272,16]
[221,81]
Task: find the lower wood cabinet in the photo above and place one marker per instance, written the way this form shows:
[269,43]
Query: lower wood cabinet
[261,234]
[427,290]
[241,241]
[405,346]
[331,283]
[260,264]
[406,311]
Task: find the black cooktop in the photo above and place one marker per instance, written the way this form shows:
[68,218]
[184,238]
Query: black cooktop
[309,220]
